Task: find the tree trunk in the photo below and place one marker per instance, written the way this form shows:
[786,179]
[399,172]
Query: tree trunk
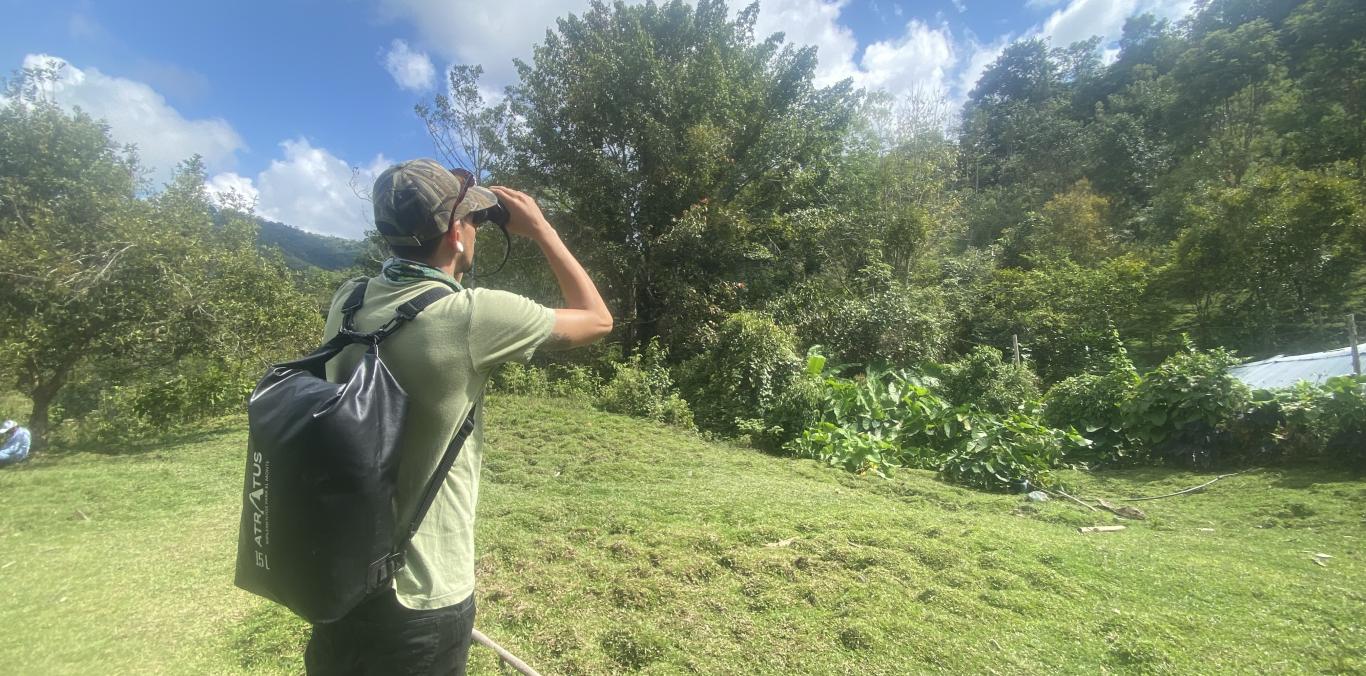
[42,396]
[38,422]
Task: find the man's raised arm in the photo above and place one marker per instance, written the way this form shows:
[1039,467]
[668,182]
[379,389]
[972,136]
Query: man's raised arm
[585,318]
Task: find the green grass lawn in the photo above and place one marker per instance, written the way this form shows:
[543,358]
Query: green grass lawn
[608,544]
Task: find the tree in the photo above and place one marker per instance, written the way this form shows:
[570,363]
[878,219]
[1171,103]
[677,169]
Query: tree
[466,131]
[1329,61]
[631,115]
[1074,224]
[91,274]
[1266,266]
[1022,140]
[79,271]
[1065,314]
[894,192]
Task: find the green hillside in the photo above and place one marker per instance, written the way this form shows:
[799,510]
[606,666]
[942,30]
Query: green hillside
[611,545]
[302,248]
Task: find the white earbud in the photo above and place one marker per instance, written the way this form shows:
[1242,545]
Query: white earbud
[460,247]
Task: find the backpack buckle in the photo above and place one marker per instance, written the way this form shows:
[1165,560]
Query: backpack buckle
[382,571]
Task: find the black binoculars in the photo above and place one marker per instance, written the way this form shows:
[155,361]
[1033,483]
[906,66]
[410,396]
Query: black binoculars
[496,214]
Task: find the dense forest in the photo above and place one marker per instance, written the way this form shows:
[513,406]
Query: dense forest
[1207,181]
[1197,195]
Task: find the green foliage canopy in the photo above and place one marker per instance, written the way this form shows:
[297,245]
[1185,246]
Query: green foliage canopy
[634,114]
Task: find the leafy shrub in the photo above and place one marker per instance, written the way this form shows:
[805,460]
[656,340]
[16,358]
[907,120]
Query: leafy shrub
[1063,313]
[796,407]
[1307,423]
[879,321]
[1094,404]
[983,378]
[842,446]
[886,420]
[575,381]
[109,423]
[515,378]
[197,388]
[1012,451]
[739,381]
[878,421]
[642,387]
[1181,411]
[1343,424]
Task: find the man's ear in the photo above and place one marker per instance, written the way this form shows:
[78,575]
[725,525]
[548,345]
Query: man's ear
[452,234]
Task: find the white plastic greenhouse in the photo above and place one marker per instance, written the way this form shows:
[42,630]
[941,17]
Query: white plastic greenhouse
[1284,371]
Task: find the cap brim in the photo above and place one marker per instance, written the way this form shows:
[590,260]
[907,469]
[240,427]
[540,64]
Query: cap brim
[476,198]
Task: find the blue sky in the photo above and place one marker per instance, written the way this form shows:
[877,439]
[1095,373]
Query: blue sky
[286,99]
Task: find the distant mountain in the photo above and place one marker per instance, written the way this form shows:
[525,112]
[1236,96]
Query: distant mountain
[303,249]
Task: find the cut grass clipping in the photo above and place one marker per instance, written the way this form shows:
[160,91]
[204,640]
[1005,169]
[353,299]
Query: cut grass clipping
[612,545]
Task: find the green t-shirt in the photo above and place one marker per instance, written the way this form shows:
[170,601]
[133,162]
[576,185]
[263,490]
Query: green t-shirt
[443,360]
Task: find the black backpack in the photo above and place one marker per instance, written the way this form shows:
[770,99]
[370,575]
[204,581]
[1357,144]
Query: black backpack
[318,531]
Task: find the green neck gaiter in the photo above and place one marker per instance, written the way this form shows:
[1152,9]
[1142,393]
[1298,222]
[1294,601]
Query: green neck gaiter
[404,271]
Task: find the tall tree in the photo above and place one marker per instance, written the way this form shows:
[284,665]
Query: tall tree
[467,131]
[75,262]
[631,115]
[91,273]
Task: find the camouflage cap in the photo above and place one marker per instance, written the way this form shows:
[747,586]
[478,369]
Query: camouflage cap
[414,200]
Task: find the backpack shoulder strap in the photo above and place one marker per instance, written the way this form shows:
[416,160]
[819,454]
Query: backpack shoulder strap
[395,560]
[353,303]
[414,307]
[404,313]
[442,469]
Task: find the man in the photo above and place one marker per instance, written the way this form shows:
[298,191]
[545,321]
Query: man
[443,360]
[14,443]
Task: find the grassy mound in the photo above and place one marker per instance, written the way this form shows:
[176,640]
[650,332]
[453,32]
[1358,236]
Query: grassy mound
[608,545]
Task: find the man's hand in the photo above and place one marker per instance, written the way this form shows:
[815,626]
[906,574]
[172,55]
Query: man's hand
[525,217]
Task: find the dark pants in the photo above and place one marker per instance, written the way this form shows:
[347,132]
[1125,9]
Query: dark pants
[382,637]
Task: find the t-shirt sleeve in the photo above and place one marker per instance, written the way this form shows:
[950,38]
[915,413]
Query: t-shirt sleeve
[506,327]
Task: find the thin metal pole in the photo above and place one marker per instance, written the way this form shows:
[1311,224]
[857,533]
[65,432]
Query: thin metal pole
[1352,337]
[503,655]
[1015,345]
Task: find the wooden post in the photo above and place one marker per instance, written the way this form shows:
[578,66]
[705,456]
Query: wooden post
[504,657]
[1015,345]
[1352,337]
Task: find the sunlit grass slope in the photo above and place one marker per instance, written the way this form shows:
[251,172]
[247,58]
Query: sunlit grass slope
[612,545]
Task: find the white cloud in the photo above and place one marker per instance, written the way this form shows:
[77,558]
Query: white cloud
[230,188]
[82,26]
[1081,19]
[489,34]
[816,23]
[137,114]
[411,69]
[465,31]
[920,59]
[309,188]
[1078,20]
